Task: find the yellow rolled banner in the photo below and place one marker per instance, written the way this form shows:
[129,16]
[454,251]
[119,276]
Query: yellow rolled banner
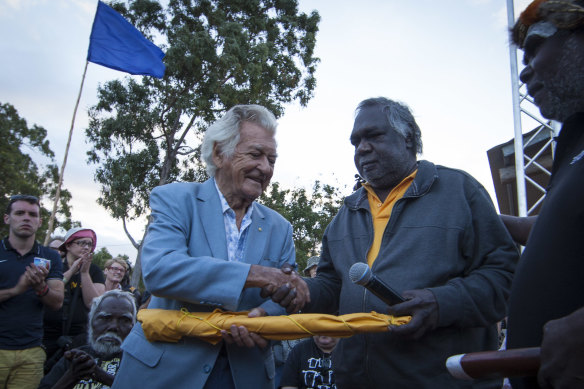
[171,326]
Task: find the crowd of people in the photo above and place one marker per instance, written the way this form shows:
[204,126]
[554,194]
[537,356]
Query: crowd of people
[428,231]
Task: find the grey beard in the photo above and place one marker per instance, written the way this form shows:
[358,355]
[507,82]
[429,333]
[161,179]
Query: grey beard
[106,348]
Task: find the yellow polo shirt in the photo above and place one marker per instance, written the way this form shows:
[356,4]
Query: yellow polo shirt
[381,212]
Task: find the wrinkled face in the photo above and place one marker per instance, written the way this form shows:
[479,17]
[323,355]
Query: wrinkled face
[247,173]
[111,324]
[326,343]
[115,272]
[382,155]
[554,71]
[24,219]
[80,246]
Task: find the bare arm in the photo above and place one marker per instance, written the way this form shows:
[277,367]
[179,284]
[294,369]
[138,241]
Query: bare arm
[90,290]
[50,292]
[519,227]
[54,298]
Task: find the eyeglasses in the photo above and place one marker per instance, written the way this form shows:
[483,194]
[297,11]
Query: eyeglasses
[84,243]
[117,269]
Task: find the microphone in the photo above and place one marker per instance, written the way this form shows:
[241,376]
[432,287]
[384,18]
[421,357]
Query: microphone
[361,274]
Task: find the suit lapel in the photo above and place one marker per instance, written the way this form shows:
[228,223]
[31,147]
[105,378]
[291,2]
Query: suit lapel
[209,207]
[257,237]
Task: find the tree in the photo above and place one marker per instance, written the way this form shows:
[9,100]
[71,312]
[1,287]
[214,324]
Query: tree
[218,53]
[21,146]
[101,256]
[309,214]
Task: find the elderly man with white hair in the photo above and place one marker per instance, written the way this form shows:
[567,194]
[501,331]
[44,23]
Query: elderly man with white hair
[210,245]
[111,318]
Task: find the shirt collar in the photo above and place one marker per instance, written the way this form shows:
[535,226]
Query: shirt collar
[7,246]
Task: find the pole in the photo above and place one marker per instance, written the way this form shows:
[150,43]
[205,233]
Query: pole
[62,171]
[519,160]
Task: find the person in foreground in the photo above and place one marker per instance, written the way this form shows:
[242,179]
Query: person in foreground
[547,299]
[429,232]
[30,279]
[210,245]
[94,366]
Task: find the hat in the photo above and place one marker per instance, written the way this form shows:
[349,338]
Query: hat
[563,14]
[78,233]
[312,262]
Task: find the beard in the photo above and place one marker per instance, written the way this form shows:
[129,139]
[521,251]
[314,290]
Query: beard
[106,347]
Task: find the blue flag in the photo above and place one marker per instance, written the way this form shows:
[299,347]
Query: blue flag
[115,43]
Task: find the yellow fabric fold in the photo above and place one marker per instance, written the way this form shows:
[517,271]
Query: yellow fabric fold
[171,326]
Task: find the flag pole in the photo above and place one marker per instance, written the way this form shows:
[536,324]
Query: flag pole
[62,171]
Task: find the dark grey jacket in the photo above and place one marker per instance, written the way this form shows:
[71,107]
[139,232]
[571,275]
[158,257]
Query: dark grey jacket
[443,235]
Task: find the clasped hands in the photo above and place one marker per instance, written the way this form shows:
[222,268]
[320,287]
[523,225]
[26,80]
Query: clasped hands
[284,286]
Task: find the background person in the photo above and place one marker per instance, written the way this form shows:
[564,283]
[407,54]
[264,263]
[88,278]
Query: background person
[84,281]
[25,289]
[309,365]
[116,277]
[95,365]
[547,300]
[55,243]
[210,245]
[311,266]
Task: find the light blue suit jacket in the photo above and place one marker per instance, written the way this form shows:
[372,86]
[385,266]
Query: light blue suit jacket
[184,263]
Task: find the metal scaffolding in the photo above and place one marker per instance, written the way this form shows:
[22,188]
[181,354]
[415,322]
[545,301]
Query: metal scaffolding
[524,116]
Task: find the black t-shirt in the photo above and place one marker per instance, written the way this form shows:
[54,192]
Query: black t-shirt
[54,319]
[549,281]
[308,367]
[21,317]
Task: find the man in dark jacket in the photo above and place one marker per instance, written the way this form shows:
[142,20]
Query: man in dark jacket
[94,366]
[547,300]
[429,232]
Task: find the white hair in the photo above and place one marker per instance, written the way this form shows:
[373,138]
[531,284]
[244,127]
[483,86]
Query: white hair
[225,132]
[118,294]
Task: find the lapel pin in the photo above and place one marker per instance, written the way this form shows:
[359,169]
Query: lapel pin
[259,228]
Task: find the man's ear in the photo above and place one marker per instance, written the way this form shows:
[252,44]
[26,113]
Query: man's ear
[217,156]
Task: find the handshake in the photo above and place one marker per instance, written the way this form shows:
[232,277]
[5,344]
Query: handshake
[284,286]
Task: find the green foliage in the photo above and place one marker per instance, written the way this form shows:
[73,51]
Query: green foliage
[308,212]
[21,145]
[218,53]
[101,256]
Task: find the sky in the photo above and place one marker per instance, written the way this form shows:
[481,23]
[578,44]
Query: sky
[448,61]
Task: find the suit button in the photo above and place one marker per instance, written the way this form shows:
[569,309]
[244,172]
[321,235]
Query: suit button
[207,368]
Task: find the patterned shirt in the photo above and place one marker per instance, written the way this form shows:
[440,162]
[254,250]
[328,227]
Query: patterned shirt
[236,238]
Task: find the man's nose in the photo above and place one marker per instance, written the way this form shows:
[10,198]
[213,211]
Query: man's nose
[265,166]
[363,147]
[113,325]
[526,74]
